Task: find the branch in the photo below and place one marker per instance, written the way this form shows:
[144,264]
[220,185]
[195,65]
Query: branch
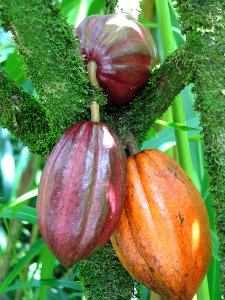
[56,69]
[55,66]
[203,21]
[22,115]
[52,59]
[103,276]
[164,84]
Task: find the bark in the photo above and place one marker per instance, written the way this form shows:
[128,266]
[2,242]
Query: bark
[51,56]
[203,22]
[151,101]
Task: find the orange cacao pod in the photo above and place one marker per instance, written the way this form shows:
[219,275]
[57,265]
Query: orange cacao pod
[163,235]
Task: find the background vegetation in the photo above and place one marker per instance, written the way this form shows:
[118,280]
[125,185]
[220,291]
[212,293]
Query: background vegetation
[27,269]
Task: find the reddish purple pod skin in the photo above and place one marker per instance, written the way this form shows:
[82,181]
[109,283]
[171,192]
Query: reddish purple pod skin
[123,50]
[81,192]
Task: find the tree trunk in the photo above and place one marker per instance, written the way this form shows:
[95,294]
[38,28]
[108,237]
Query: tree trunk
[51,56]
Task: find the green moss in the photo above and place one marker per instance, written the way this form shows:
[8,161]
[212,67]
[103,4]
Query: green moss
[103,277]
[22,115]
[164,84]
[53,63]
[50,53]
[211,106]
[198,16]
[110,6]
[203,21]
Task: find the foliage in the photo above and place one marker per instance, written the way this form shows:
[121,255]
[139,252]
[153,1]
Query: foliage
[52,92]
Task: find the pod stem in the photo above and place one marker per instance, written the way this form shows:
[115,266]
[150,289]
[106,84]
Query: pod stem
[95,117]
[131,144]
[91,69]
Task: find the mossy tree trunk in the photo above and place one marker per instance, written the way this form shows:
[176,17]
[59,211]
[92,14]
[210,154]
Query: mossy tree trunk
[50,54]
[203,23]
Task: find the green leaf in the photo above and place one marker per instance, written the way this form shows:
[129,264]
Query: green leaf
[215,245]
[34,250]
[175,125]
[166,137]
[96,7]
[23,198]
[48,263]
[71,9]
[195,138]
[144,292]
[156,25]
[148,24]
[14,67]
[151,134]
[47,282]
[23,213]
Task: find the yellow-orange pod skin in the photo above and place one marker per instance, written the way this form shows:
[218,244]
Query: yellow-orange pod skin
[163,236]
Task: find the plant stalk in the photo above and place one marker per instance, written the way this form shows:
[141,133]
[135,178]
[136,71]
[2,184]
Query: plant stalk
[92,69]
[183,149]
[95,116]
[131,144]
[178,115]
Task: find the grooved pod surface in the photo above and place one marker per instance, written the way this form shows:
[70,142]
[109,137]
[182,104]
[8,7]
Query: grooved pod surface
[163,236]
[81,191]
[123,51]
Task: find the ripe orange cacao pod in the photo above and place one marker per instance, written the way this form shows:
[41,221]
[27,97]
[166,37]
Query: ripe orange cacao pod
[82,191]
[123,50]
[163,236]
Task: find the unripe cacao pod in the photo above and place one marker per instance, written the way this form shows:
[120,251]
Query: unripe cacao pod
[123,50]
[163,236]
[81,191]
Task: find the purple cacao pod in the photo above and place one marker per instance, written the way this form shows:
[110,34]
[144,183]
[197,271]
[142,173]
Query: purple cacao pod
[81,192]
[123,50]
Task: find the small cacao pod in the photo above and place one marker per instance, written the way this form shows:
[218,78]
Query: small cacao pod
[163,236]
[123,50]
[81,191]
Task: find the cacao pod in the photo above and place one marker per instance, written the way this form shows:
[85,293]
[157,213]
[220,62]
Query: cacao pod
[123,50]
[81,191]
[163,236]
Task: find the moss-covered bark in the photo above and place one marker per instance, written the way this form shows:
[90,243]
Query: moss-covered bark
[23,116]
[203,23]
[50,53]
[164,84]
[110,6]
[104,278]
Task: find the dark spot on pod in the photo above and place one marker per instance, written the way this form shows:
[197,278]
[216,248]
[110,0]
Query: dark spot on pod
[181,218]
[151,270]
